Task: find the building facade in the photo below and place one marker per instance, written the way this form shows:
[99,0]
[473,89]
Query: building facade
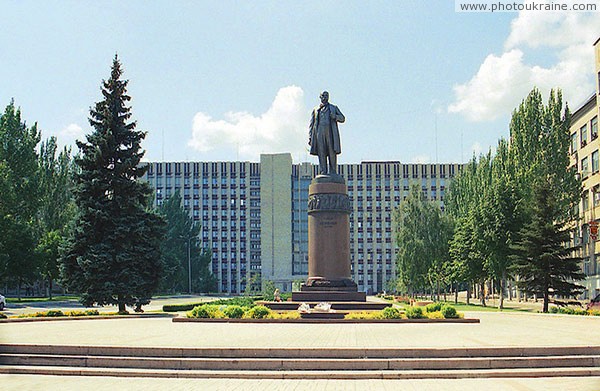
[254,215]
[585,147]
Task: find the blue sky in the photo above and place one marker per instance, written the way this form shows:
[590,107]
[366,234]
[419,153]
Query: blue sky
[228,80]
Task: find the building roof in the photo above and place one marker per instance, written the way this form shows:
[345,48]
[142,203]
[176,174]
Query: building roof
[586,107]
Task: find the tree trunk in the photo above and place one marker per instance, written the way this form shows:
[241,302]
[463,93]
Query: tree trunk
[546,300]
[438,290]
[502,283]
[468,293]
[482,293]
[19,288]
[456,293]
[50,288]
[121,305]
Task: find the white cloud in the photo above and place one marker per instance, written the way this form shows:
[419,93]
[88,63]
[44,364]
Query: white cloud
[72,131]
[68,135]
[282,128]
[503,81]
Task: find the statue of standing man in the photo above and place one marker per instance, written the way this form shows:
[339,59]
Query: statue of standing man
[324,135]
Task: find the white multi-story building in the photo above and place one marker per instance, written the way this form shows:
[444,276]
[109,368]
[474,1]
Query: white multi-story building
[254,215]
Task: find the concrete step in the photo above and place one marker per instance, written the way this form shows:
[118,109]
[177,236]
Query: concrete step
[306,375]
[336,305]
[302,353]
[292,364]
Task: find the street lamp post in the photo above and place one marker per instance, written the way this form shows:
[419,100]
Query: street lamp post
[189,259]
[189,266]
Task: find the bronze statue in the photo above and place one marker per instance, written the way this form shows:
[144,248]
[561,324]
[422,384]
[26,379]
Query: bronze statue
[324,135]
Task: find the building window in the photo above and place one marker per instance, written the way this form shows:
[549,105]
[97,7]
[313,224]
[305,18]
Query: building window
[585,201]
[584,167]
[583,135]
[595,161]
[594,127]
[574,142]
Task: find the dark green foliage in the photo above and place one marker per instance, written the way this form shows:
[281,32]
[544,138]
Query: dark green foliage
[449,312]
[181,233]
[259,312]
[241,301]
[180,307]
[206,311]
[422,233]
[542,258]
[414,313]
[268,290]
[19,196]
[491,199]
[391,313]
[114,254]
[234,311]
[433,307]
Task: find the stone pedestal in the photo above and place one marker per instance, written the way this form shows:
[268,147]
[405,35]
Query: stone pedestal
[329,277]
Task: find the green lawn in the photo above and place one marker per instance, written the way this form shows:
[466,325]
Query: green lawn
[478,307]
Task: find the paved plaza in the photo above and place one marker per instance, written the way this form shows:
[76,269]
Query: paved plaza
[495,329]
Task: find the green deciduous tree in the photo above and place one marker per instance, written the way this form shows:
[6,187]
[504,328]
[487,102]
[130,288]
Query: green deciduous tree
[421,235]
[57,207]
[181,233]
[114,254]
[18,196]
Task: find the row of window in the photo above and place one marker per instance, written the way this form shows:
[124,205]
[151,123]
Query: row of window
[587,133]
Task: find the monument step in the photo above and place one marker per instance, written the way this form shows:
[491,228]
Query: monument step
[295,364]
[329,296]
[302,353]
[335,305]
[305,375]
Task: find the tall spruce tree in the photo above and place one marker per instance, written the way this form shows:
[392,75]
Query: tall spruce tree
[114,254]
[543,259]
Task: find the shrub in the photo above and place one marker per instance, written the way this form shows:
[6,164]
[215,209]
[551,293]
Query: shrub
[364,315]
[594,312]
[240,301]
[285,315]
[435,315]
[433,307]
[180,307]
[414,313]
[3,316]
[258,312]
[206,311]
[233,311]
[449,312]
[75,313]
[569,311]
[391,313]
[54,313]
[92,312]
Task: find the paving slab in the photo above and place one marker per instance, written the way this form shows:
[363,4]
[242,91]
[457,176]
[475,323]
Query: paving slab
[495,329]
[509,329]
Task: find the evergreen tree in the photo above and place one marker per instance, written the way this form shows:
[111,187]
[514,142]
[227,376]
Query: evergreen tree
[114,254]
[543,260]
